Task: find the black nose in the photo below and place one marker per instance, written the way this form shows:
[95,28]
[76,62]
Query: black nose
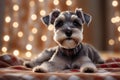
[68,33]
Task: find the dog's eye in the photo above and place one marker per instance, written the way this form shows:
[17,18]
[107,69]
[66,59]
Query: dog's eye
[76,23]
[59,24]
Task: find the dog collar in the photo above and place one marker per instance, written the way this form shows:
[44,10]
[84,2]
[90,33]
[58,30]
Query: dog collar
[70,52]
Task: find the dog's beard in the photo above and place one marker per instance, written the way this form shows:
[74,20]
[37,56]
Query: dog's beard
[66,42]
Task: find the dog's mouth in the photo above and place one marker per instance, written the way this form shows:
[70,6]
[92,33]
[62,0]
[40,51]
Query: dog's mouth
[69,43]
[68,38]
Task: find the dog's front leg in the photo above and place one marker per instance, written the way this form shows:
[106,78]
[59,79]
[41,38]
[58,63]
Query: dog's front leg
[47,67]
[87,65]
[42,57]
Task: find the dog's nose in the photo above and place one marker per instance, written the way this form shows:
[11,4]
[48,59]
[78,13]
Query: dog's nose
[68,33]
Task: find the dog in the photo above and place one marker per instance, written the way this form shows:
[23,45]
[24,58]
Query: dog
[71,52]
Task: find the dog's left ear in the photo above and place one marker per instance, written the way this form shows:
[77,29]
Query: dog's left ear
[83,16]
[49,19]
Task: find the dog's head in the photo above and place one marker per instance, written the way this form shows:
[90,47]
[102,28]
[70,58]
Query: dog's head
[68,26]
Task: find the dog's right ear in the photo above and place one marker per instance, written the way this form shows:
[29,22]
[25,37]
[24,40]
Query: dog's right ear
[86,18]
[49,19]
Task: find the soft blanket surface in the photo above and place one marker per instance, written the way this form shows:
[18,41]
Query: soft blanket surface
[11,68]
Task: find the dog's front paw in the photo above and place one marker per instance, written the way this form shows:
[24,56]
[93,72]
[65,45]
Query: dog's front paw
[27,64]
[88,68]
[39,69]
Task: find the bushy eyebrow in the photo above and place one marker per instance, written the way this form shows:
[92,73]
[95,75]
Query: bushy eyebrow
[73,17]
[61,17]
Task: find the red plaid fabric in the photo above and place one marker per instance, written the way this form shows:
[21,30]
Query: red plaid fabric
[110,63]
[12,69]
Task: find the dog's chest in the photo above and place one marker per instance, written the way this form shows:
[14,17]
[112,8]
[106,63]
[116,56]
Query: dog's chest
[69,54]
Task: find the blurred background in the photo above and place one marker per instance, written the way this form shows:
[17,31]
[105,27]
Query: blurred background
[23,34]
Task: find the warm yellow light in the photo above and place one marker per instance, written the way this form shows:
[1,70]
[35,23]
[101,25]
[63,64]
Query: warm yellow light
[34,30]
[4,49]
[31,38]
[28,46]
[118,28]
[15,7]
[41,0]
[119,38]
[15,24]
[20,34]
[68,2]
[6,38]
[42,12]
[50,27]
[16,52]
[34,17]
[44,38]
[111,42]
[7,19]
[115,19]
[28,54]
[115,3]
[32,3]
[56,2]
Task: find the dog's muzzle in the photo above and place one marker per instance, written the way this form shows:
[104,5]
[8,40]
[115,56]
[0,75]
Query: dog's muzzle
[68,38]
[68,33]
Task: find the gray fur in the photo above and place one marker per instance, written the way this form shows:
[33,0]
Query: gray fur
[70,53]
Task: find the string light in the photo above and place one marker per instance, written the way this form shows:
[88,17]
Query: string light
[68,2]
[50,27]
[34,30]
[29,47]
[119,38]
[6,38]
[16,52]
[28,54]
[15,7]
[56,2]
[115,3]
[4,49]
[7,19]
[20,34]
[41,0]
[31,38]
[44,38]
[118,28]
[15,24]
[32,3]
[42,12]
[115,19]
[34,17]
[111,42]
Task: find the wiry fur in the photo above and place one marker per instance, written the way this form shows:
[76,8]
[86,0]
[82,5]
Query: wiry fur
[60,38]
[70,53]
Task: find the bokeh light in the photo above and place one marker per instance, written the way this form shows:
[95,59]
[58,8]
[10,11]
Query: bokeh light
[15,7]
[7,19]
[44,38]
[111,42]
[6,38]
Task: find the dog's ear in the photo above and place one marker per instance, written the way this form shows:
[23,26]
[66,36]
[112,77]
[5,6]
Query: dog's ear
[49,19]
[83,16]
[88,18]
[46,19]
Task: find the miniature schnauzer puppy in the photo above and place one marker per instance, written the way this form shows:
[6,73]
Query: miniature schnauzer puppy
[70,53]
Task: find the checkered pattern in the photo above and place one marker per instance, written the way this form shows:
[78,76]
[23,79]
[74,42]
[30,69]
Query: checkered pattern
[13,71]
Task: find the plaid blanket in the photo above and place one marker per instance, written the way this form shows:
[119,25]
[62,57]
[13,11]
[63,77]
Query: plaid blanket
[11,69]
